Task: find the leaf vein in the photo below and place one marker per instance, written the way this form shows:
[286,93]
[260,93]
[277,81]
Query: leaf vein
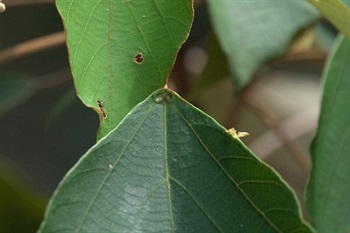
[197,203]
[110,172]
[225,172]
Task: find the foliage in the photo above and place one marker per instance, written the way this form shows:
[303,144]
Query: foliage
[330,149]
[337,12]
[122,51]
[160,163]
[171,167]
[235,20]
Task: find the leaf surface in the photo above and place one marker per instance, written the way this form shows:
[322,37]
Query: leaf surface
[253,32]
[328,188]
[336,11]
[168,167]
[122,50]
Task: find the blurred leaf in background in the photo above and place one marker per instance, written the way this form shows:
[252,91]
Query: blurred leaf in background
[21,208]
[253,32]
[337,12]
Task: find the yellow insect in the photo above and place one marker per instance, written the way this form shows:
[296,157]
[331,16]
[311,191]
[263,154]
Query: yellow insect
[236,134]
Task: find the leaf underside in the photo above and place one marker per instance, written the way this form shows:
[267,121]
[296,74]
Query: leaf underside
[122,50]
[168,167]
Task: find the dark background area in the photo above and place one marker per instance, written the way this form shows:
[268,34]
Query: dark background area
[43,134]
[45,145]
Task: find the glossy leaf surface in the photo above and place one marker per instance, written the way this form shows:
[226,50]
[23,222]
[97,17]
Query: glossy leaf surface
[328,189]
[253,32]
[168,167]
[122,50]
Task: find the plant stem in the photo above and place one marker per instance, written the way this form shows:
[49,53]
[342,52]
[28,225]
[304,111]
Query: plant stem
[272,121]
[11,3]
[32,46]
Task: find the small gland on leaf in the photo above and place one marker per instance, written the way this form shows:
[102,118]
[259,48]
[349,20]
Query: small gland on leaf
[162,96]
[138,58]
[236,134]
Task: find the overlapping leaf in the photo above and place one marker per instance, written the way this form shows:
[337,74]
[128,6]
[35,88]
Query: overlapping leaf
[168,167]
[328,189]
[252,32]
[122,50]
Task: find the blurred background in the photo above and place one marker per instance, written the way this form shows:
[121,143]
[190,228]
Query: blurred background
[45,128]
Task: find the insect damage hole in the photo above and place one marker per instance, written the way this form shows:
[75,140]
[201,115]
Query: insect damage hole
[138,58]
[102,108]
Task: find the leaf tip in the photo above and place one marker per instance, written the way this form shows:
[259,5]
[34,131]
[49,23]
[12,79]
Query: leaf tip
[163,95]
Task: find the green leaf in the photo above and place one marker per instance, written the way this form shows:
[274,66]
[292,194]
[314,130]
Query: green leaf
[168,167]
[346,2]
[122,50]
[336,11]
[328,188]
[253,32]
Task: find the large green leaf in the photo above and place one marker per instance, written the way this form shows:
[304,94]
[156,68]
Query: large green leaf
[253,32]
[328,189]
[168,167]
[336,11]
[122,50]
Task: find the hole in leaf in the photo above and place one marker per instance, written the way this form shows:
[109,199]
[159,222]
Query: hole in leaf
[138,58]
[102,108]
